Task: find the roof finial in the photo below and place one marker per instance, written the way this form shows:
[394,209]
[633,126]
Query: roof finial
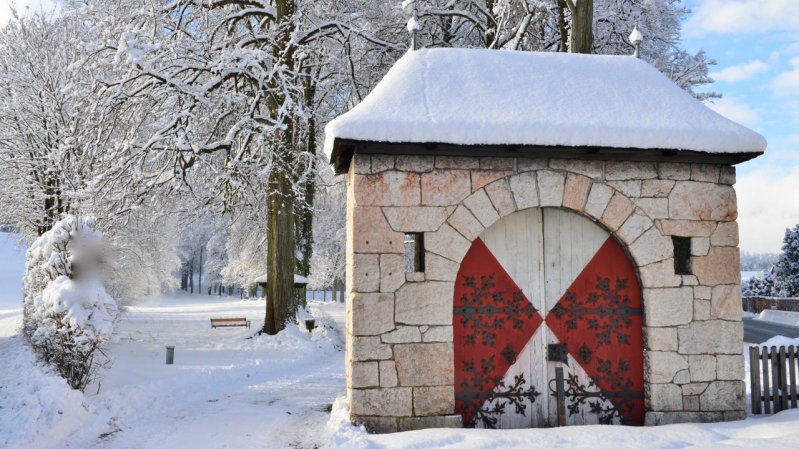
[635,38]
[409,6]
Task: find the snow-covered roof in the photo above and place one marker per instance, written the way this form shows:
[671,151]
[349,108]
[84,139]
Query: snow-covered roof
[492,97]
[298,279]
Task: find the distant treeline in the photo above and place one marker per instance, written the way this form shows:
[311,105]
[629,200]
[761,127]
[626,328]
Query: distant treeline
[758,261]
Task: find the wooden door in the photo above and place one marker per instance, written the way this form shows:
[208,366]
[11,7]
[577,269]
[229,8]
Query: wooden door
[537,278]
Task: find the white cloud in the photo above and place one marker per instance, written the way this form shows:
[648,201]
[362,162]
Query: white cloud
[742,16]
[736,111]
[22,6]
[767,205]
[740,72]
[787,83]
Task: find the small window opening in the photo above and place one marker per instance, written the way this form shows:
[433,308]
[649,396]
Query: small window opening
[414,253]
[682,255]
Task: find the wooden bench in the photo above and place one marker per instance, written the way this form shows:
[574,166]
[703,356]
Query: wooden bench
[229,322]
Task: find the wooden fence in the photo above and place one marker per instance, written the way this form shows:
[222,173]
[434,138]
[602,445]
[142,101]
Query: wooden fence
[773,378]
[757,304]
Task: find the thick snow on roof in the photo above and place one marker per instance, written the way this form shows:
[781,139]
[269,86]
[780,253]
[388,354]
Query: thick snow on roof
[485,97]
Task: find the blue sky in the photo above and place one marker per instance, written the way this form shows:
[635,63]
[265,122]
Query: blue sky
[756,45]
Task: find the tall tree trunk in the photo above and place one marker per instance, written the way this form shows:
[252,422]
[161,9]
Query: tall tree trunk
[200,268]
[191,275]
[582,36]
[305,218]
[280,253]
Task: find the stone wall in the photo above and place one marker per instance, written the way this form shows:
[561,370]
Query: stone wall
[399,337]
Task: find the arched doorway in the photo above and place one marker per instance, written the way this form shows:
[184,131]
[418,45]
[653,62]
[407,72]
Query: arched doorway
[539,290]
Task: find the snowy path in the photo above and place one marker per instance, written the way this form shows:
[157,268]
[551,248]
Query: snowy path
[225,390]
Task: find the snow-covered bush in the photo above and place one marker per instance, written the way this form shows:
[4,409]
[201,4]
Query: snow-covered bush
[760,286]
[68,315]
[788,264]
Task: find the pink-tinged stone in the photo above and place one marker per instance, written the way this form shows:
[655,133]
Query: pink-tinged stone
[686,228]
[365,273]
[631,189]
[373,313]
[424,303]
[726,302]
[480,178]
[390,188]
[722,265]
[702,201]
[445,187]
[431,401]
[372,234]
[501,197]
[576,192]
[415,218]
[619,208]
[726,234]
[392,272]
[657,188]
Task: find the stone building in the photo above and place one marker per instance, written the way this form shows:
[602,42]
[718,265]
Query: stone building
[539,239]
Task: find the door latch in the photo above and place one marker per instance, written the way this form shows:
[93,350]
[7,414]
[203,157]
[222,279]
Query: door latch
[557,352]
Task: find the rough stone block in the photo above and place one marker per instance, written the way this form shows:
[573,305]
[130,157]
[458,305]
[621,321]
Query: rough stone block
[656,188]
[392,272]
[414,163]
[694,389]
[550,187]
[661,338]
[651,247]
[598,200]
[619,208]
[654,207]
[457,162]
[702,368]
[382,162]
[525,190]
[447,242]
[723,395]
[445,187]
[377,424]
[415,276]
[429,401]
[624,170]
[686,228]
[497,163]
[431,422]
[690,403]
[428,303]
[388,374]
[730,367]
[367,348]
[668,306]
[711,337]
[630,189]
[576,191]
[438,334]
[592,169]
[390,188]
[365,375]
[634,227]
[481,178]
[681,378]
[726,234]
[415,219]
[727,175]
[662,366]
[481,207]
[705,172]
[689,280]
[702,292]
[425,364]
[382,402]
[676,171]
[366,273]
[664,397]
[700,246]
[702,201]
[501,197]
[372,313]
[465,223]
[726,302]
[439,268]
[659,274]
[720,266]
[402,334]
[701,310]
[361,164]
[372,234]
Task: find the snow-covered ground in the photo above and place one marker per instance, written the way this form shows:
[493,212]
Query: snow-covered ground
[779,316]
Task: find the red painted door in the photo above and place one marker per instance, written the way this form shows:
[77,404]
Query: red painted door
[539,278]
